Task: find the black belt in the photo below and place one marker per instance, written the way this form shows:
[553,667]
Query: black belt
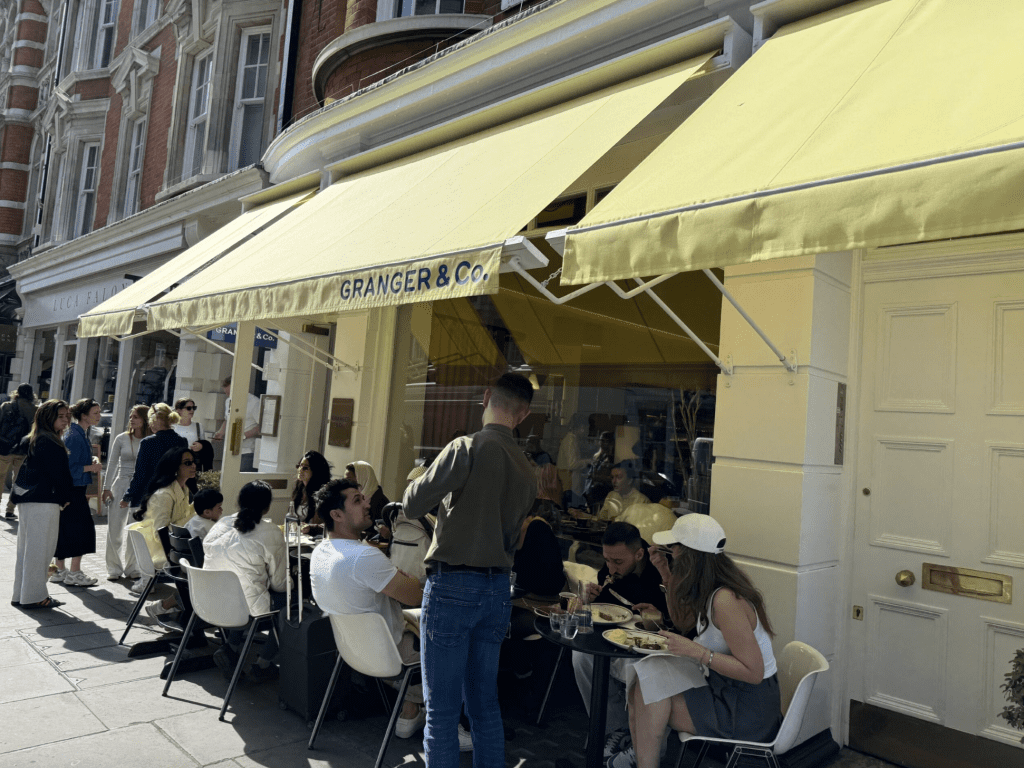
[436,566]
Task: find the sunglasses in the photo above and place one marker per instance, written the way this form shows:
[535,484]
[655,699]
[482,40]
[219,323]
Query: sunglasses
[188,463]
[189,408]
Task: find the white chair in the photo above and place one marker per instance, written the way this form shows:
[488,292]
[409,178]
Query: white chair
[366,645]
[144,561]
[218,599]
[798,665]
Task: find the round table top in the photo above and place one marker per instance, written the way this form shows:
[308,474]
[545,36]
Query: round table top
[591,643]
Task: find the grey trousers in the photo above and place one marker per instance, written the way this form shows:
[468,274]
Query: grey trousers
[38,525]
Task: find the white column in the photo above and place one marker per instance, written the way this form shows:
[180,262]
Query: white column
[125,356]
[231,477]
[776,487]
[82,364]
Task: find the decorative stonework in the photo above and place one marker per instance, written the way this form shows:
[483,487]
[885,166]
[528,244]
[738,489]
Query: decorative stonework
[132,76]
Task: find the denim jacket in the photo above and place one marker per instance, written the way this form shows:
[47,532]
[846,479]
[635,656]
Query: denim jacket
[79,454]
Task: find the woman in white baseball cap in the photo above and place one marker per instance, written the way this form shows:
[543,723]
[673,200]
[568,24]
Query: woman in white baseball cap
[722,683]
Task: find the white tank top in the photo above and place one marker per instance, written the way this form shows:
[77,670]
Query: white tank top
[712,639]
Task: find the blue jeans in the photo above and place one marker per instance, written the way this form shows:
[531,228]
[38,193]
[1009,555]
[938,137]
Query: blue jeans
[464,621]
[236,637]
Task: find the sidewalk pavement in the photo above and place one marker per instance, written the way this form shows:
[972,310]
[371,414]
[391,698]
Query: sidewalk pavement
[69,695]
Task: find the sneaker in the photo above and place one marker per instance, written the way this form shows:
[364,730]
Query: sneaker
[10,515]
[406,727]
[156,608]
[226,658]
[58,576]
[465,740]
[624,759]
[258,674]
[139,585]
[79,579]
[616,742]
[113,575]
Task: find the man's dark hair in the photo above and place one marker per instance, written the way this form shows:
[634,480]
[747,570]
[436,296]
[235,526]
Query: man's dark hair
[226,382]
[629,467]
[208,498]
[622,533]
[331,496]
[512,392]
[25,392]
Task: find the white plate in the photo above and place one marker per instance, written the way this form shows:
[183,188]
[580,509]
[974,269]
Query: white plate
[620,615]
[637,633]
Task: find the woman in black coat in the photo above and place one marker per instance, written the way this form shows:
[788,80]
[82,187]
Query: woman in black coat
[42,489]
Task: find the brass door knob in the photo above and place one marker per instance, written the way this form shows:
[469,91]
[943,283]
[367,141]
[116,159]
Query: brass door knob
[905,578]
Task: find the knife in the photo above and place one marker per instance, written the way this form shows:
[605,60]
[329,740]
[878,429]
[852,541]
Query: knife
[619,597]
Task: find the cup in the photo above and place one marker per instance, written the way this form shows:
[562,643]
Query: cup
[585,619]
[556,618]
[651,619]
[564,598]
[570,625]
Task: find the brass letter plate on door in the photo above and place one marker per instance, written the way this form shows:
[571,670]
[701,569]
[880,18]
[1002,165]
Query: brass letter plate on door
[967,582]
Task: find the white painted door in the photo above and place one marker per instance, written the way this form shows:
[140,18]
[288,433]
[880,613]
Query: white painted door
[940,479]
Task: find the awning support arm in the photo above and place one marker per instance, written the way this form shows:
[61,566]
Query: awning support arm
[646,287]
[329,361]
[790,366]
[196,332]
[642,287]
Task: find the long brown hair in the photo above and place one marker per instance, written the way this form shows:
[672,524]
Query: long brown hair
[43,422]
[696,576]
[142,411]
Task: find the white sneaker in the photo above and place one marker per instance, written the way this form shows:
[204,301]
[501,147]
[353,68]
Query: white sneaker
[139,585]
[406,727]
[79,579]
[156,608]
[465,740]
[58,576]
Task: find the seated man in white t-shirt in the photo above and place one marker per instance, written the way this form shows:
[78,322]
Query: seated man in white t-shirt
[349,576]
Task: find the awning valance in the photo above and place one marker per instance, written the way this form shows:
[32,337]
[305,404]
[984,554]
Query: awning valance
[424,228]
[878,123]
[115,316]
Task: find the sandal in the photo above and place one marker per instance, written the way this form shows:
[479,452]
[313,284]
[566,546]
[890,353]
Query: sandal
[49,602]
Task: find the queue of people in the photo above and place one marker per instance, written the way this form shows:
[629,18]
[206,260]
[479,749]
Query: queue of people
[477,520]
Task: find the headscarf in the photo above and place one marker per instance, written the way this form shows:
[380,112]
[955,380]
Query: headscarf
[366,478]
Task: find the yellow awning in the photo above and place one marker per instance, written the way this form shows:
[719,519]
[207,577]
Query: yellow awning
[423,228]
[115,316]
[878,123]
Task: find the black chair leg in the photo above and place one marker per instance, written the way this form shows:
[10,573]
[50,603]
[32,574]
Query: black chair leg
[327,700]
[551,682]
[238,667]
[137,609]
[179,653]
[394,716]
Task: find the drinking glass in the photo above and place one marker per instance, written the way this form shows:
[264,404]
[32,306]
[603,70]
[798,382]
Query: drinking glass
[585,619]
[556,618]
[570,625]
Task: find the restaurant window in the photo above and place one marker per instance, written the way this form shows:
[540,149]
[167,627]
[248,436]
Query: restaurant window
[85,191]
[599,366]
[250,98]
[133,183]
[198,117]
[153,371]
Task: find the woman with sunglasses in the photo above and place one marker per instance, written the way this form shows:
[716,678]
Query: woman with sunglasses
[189,428]
[166,503]
[313,472]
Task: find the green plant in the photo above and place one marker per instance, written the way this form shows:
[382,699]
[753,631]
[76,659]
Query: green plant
[208,479]
[1014,690]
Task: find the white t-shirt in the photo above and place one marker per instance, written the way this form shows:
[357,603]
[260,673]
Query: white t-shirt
[190,433]
[252,419]
[347,577]
[199,526]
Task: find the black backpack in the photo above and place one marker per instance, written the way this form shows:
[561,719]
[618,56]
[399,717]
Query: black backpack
[13,427]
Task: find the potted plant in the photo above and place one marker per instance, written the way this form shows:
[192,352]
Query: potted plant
[1014,690]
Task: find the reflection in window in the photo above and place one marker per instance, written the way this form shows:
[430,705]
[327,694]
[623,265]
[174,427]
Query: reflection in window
[250,97]
[425,7]
[85,189]
[102,43]
[133,183]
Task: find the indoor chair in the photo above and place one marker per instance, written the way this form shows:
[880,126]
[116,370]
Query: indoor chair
[366,645]
[798,664]
[218,599]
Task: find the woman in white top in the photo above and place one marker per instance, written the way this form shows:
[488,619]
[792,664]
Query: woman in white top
[121,466]
[186,427]
[739,699]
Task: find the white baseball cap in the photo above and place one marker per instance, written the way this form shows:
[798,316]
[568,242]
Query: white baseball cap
[696,531]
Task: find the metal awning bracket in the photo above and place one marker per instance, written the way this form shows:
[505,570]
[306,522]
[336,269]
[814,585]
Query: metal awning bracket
[318,356]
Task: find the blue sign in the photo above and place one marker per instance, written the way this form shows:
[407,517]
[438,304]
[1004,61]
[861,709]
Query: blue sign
[228,334]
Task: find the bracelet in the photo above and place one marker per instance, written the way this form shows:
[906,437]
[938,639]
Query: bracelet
[711,658]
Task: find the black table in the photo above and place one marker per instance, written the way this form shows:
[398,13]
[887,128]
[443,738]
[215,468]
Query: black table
[603,652]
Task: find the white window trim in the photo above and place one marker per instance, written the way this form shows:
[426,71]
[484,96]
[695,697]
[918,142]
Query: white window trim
[79,225]
[133,178]
[98,25]
[388,9]
[191,121]
[235,145]
[142,19]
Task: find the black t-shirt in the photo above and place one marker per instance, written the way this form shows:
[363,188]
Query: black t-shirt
[538,563]
[637,587]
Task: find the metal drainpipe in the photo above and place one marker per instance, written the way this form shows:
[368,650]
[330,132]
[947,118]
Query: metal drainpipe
[44,172]
[289,59]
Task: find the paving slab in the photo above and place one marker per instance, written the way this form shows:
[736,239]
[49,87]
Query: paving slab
[139,701]
[44,720]
[109,654]
[144,744]
[15,651]
[108,674]
[30,681]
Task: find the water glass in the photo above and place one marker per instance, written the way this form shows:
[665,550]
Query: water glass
[556,618]
[570,625]
[584,619]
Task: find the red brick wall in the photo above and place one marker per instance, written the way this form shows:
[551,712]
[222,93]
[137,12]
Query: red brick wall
[108,160]
[14,185]
[16,144]
[92,89]
[32,30]
[28,57]
[22,97]
[320,24]
[368,67]
[33,6]
[11,221]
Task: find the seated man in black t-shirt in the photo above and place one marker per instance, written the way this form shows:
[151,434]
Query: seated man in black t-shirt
[629,573]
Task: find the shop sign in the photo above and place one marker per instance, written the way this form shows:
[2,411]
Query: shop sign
[228,334]
[469,275]
[63,306]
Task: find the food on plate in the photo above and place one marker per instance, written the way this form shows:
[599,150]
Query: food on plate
[604,616]
[649,643]
[619,636]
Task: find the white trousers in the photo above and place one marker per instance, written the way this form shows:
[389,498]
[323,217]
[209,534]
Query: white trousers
[120,555]
[38,525]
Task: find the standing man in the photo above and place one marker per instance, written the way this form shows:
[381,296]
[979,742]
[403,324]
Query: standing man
[251,426]
[16,417]
[485,487]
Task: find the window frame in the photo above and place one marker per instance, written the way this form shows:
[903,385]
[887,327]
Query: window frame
[79,224]
[197,126]
[133,176]
[240,101]
[100,26]
[393,10]
[147,12]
